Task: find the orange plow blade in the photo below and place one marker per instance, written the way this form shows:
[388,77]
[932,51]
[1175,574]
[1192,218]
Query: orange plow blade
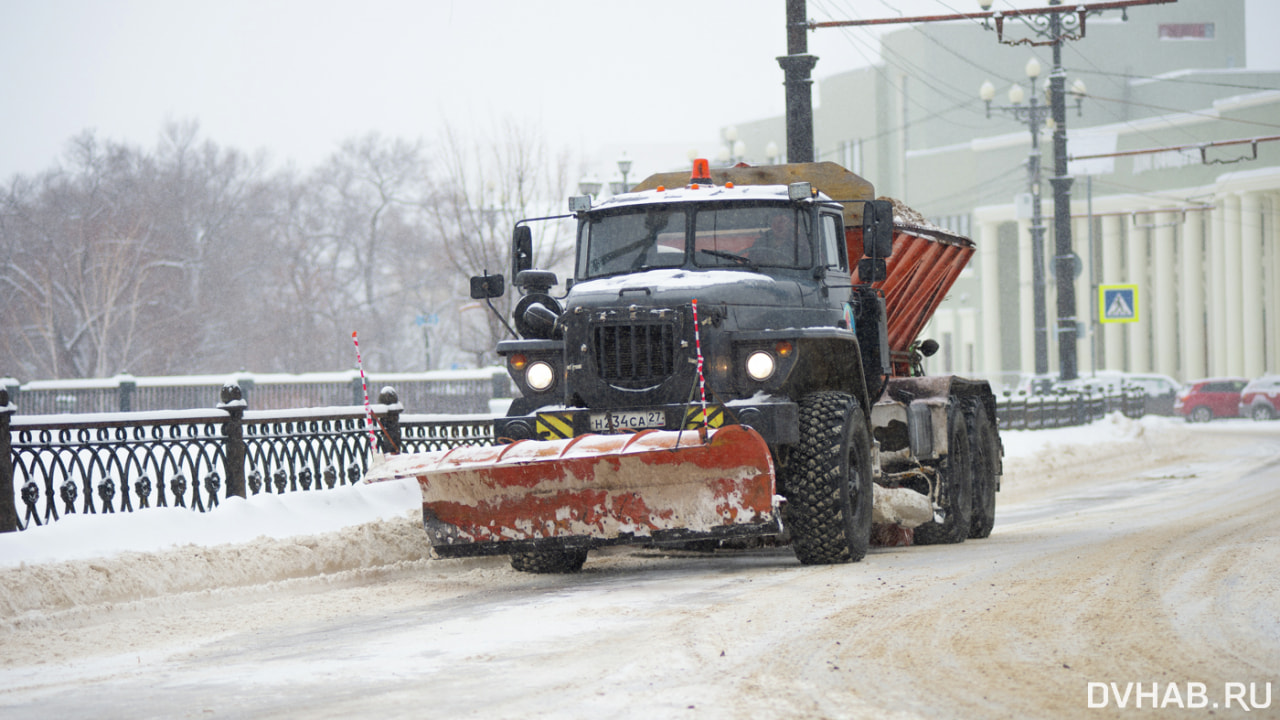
[592,490]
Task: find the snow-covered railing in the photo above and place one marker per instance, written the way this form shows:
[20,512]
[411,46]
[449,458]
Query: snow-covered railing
[55,465]
[1033,412]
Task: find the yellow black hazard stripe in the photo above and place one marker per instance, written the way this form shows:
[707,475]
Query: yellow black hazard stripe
[693,417]
[554,425]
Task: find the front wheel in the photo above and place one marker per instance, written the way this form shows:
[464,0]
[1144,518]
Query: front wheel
[1201,414]
[1261,413]
[549,561]
[827,480]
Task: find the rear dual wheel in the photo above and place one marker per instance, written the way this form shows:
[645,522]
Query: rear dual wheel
[828,483]
[984,446]
[955,488]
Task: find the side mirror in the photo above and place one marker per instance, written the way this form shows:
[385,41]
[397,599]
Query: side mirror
[521,249]
[877,229]
[487,286]
[872,270]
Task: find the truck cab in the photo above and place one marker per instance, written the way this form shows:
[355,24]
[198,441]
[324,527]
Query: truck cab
[692,306]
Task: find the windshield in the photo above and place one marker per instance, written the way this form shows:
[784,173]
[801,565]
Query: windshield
[746,236]
[628,242]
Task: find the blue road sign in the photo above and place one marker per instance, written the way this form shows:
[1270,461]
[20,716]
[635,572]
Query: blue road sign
[1117,303]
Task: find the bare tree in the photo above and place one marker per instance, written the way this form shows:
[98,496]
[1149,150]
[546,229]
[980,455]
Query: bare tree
[352,236]
[192,258]
[487,187]
[85,266]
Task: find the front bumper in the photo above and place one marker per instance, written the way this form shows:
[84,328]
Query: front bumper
[777,421]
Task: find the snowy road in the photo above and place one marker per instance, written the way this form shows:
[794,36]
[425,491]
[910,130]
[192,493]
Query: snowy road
[1150,560]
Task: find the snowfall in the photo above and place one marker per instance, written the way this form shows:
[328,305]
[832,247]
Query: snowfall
[87,559]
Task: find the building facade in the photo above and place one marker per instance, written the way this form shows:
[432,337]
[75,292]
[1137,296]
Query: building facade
[1180,208]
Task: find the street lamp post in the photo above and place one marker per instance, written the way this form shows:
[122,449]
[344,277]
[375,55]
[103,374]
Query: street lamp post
[590,185]
[1057,29]
[1035,116]
[733,150]
[617,187]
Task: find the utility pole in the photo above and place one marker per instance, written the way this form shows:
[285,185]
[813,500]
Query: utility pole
[797,66]
[1068,334]
[1059,27]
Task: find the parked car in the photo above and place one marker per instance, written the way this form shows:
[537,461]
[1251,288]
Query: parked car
[1260,399]
[1161,391]
[1204,400]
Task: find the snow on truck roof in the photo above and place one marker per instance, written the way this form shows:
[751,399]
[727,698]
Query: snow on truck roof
[833,182]
[689,193]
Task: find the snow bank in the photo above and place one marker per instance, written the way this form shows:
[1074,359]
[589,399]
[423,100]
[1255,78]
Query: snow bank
[91,559]
[1047,444]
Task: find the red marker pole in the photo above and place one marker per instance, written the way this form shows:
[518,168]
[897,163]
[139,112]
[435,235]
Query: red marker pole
[368,410]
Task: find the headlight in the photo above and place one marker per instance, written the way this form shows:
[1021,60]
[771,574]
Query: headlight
[760,365]
[540,376]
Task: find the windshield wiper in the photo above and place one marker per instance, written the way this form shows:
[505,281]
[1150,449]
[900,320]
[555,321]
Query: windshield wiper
[739,259]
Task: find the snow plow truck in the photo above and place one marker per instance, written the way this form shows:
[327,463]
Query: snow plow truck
[736,356]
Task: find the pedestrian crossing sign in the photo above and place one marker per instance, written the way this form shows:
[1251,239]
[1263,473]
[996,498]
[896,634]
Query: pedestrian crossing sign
[1117,303]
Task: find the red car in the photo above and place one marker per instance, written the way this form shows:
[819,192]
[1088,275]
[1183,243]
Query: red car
[1260,399]
[1204,400]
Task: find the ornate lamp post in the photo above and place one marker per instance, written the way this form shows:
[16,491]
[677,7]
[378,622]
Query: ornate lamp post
[617,187]
[1058,27]
[1033,115]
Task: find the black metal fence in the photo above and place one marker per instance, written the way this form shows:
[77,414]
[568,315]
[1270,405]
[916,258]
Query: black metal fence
[121,462]
[1033,412]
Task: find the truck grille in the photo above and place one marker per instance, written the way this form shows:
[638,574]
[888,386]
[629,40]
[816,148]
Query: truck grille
[635,356]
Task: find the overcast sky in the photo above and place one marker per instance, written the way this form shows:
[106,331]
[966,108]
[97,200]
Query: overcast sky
[296,77]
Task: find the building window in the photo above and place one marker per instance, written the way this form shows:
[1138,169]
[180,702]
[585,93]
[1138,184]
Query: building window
[1186,31]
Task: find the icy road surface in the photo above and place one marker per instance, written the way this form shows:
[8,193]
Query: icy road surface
[1148,558]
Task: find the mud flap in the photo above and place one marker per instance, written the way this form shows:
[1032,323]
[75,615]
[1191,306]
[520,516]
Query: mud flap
[592,490]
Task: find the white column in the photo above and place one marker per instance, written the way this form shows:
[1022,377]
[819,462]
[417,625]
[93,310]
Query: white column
[1234,358]
[1026,302]
[966,323]
[1136,272]
[1216,302]
[1112,274]
[1085,317]
[1272,282]
[989,267]
[1191,305]
[1050,299]
[1164,310]
[1253,361]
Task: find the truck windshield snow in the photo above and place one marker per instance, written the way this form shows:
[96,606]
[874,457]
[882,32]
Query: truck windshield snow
[750,237]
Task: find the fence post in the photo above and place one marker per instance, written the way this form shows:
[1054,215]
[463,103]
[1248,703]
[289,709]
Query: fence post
[501,383]
[127,385]
[233,432]
[8,506]
[389,438]
[357,391]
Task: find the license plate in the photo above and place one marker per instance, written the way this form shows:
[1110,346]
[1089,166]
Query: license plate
[627,420]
